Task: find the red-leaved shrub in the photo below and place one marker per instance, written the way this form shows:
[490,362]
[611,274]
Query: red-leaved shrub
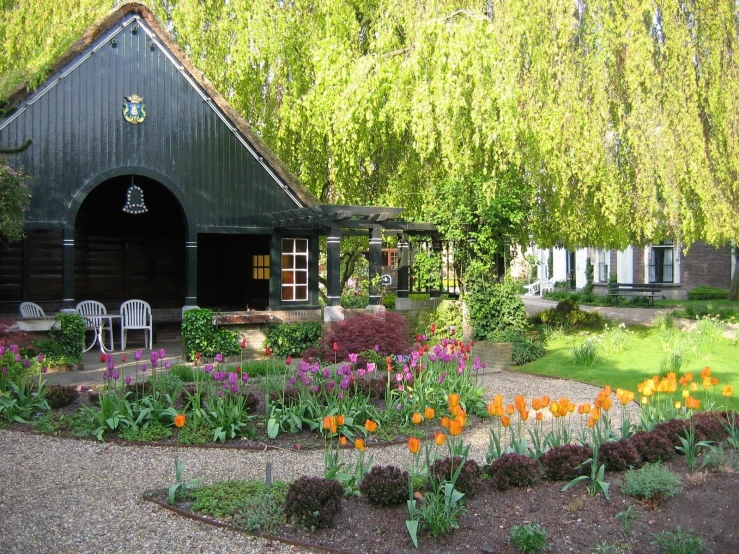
[653,447]
[618,455]
[389,331]
[564,463]
[709,426]
[513,470]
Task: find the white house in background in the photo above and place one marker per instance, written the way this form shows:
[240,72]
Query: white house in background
[662,263]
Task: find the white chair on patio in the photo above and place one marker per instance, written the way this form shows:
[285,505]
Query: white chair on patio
[31,310]
[136,314]
[96,318]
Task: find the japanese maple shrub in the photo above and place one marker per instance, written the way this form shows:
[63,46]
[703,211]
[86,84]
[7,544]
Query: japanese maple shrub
[388,331]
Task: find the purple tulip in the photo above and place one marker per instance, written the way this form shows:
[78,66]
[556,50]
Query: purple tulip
[111,364]
[5,369]
[315,389]
[361,372]
[155,363]
[2,350]
[398,377]
[244,377]
[326,373]
[26,363]
[377,348]
[219,357]
[153,356]
[83,388]
[424,338]
[208,368]
[167,365]
[143,368]
[44,369]
[116,375]
[234,389]
[18,358]
[219,393]
[353,358]
[432,357]
[40,358]
[370,367]
[232,377]
[162,353]
[105,376]
[14,348]
[137,355]
[340,396]
[128,379]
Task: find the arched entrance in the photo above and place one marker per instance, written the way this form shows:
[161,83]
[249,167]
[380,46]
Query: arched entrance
[134,253]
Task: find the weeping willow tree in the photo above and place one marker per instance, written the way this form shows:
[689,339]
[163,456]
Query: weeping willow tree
[594,122]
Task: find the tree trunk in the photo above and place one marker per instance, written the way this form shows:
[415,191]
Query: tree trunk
[734,287]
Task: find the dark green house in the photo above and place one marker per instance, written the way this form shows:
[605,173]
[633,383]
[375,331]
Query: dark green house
[146,184]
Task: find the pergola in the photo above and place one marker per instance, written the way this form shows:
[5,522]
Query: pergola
[337,221]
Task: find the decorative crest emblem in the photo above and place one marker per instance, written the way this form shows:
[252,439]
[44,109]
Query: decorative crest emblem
[134,109]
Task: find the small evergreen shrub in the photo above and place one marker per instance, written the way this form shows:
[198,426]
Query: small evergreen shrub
[568,314]
[618,455]
[199,334]
[292,339]
[263,511]
[513,470]
[652,482]
[447,315]
[389,331]
[525,349]
[385,486]
[530,538]
[708,293]
[388,300]
[59,396]
[563,463]
[653,447]
[261,368]
[709,427]
[313,502]
[67,341]
[494,308]
[469,477]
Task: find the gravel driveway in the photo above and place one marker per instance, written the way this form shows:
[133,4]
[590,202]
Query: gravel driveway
[78,496]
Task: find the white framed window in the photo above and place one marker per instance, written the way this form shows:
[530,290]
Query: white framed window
[662,263]
[602,265]
[294,270]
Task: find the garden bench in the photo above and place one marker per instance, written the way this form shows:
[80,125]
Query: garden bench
[633,290]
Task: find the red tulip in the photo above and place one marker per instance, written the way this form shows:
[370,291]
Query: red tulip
[454,331]
[103,358]
[433,327]
[288,360]
[268,351]
[335,346]
[198,355]
[243,343]
[123,358]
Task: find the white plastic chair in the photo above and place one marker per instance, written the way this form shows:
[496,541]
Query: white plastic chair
[135,314]
[91,311]
[31,310]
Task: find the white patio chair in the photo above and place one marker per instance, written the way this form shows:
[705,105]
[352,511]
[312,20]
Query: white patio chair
[532,289]
[547,285]
[136,314]
[31,310]
[91,311]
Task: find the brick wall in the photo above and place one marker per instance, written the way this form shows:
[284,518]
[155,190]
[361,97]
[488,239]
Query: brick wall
[638,264]
[706,265]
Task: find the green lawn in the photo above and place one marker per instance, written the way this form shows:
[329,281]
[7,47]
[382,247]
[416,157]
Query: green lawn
[644,349]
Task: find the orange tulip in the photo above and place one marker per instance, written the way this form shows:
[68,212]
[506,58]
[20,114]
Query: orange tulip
[340,420]
[429,413]
[359,445]
[506,421]
[445,422]
[536,404]
[416,418]
[370,425]
[453,400]
[706,372]
[727,391]
[414,445]
[461,418]
[510,408]
[544,401]
[179,420]
[455,428]
[491,409]
[454,409]
[342,441]
[524,415]
[591,422]
[326,422]
[714,381]
[498,400]
[520,403]
[439,439]
[539,416]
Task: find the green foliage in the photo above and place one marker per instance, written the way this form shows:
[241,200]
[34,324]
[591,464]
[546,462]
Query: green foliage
[292,339]
[707,293]
[441,509]
[585,352]
[195,431]
[652,482]
[467,472]
[426,267]
[354,300]
[446,316]
[629,515]
[494,308]
[530,538]
[262,511]
[679,542]
[388,300]
[13,203]
[589,274]
[67,340]
[153,432]
[568,314]
[183,373]
[199,334]
[313,502]
[525,348]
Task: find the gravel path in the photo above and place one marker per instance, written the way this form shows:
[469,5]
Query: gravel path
[76,496]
